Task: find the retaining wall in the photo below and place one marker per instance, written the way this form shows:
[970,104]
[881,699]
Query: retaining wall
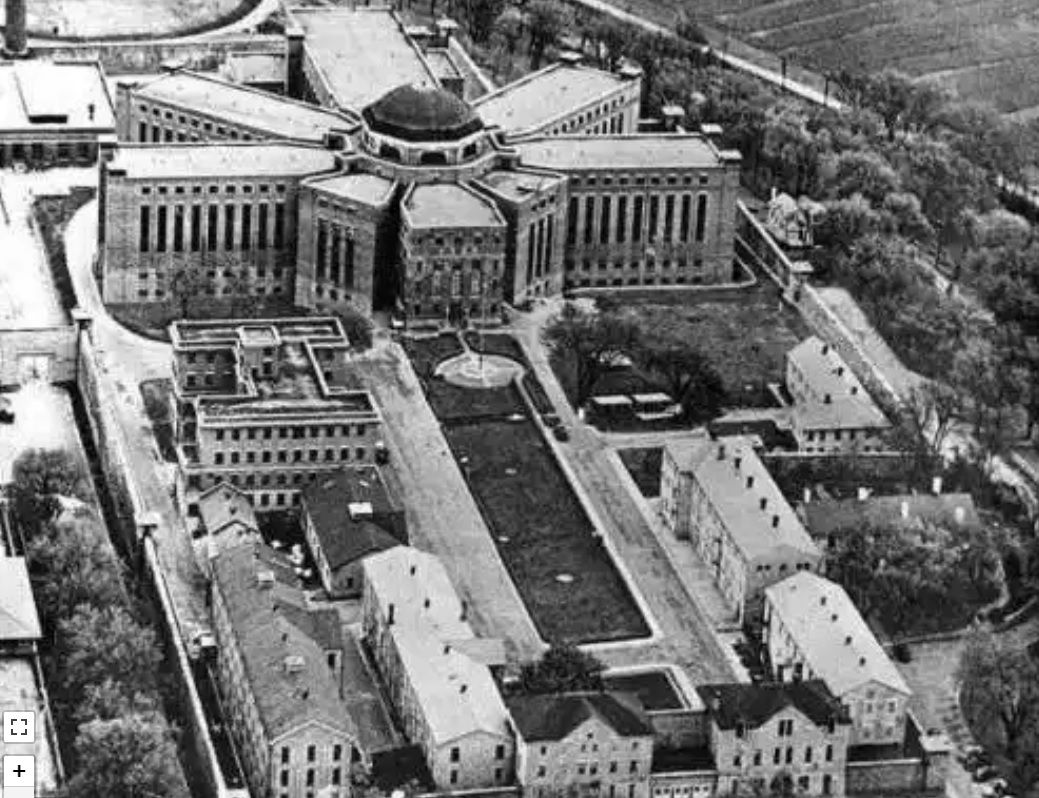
[60,343]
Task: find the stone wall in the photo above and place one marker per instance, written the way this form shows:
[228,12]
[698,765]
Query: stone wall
[57,343]
[142,57]
[890,776]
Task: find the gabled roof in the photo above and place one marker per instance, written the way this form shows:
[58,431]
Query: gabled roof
[224,505]
[755,704]
[18,618]
[269,626]
[553,717]
[736,482]
[828,630]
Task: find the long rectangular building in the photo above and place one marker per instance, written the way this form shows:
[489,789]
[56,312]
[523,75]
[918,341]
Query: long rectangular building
[266,406]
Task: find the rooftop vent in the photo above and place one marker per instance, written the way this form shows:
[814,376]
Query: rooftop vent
[840,371]
[775,521]
[294,663]
[763,503]
[862,661]
[447,648]
[463,688]
[413,570]
[826,349]
[833,617]
[827,399]
[847,640]
[750,481]
[822,600]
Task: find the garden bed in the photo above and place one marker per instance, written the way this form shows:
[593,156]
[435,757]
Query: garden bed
[561,569]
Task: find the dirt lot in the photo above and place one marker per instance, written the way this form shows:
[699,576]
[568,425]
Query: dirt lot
[983,48]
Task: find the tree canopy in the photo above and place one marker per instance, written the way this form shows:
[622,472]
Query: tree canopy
[562,668]
[129,757]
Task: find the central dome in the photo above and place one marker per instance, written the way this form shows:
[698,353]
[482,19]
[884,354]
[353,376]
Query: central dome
[413,113]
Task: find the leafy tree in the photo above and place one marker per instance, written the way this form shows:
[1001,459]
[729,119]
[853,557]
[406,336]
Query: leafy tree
[111,699]
[480,16]
[509,26]
[38,478]
[81,570]
[999,695]
[562,668]
[611,38]
[546,22]
[891,95]
[688,374]
[107,643]
[982,370]
[188,282]
[589,340]
[864,173]
[129,757]
[358,328]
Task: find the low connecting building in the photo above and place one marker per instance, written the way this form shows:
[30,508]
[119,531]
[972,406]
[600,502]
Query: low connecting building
[777,739]
[348,516]
[600,743]
[436,671]
[280,670]
[814,631]
[833,412]
[720,497]
[265,405]
[54,113]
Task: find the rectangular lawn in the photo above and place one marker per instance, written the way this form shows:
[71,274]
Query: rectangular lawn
[542,533]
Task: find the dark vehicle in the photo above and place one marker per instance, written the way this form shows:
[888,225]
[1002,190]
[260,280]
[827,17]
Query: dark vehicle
[561,434]
[6,413]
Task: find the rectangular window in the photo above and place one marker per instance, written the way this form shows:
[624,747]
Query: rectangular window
[160,234]
[247,227]
[196,228]
[261,226]
[654,218]
[669,217]
[311,753]
[334,258]
[604,221]
[589,218]
[701,216]
[146,228]
[622,218]
[337,753]
[636,219]
[285,753]
[530,253]
[212,223]
[321,249]
[348,264]
[229,212]
[456,754]
[571,222]
[279,225]
[178,228]
[683,225]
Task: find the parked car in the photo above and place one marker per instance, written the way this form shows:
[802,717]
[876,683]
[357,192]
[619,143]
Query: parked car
[6,413]
[561,434]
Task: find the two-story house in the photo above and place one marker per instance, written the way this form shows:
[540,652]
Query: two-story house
[595,743]
[719,496]
[814,631]
[779,738]
[436,671]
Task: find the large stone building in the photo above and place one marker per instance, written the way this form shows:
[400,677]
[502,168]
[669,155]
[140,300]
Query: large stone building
[720,497]
[814,631]
[54,113]
[436,670]
[279,666]
[598,743]
[437,207]
[265,406]
[777,739]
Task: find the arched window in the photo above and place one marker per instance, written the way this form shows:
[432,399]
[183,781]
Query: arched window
[389,153]
[433,159]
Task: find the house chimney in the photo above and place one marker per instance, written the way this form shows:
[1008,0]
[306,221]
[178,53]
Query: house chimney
[721,451]
[904,509]
[775,521]
[90,111]
[826,349]
[936,486]
[736,462]
[425,604]
[854,390]
[750,481]
[14,30]
[827,399]
[822,600]
[847,640]
[463,688]
[960,515]
[840,371]
[412,570]
[763,503]
[447,648]
[862,661]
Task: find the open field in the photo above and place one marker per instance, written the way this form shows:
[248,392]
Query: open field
[87,18]
[983,49]
[561,569]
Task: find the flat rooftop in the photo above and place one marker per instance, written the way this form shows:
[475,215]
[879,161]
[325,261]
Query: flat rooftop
[362,53]
[516,184]
[642,151]
[229,331]
[19,692]
[450,205]
[542,97]
[277,116]
[286,407]
[218,159]
[47,95]
[363,188]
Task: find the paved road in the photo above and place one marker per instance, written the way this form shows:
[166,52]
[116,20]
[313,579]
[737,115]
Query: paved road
[442,516]
[125,360]
[687,637]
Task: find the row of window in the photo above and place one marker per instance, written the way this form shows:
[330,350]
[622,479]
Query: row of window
[578,122]
[853,434]
[760,786]
[296,433]
[334,254]
[475,310]
[591,181]
[539,247]
[767,568]
[336,777]
[189,234]
[164,119]
[650,264]
[781,756]
[620,282]
[230,188]
[458,242]
[615,227]
[313,455]
[286,754]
